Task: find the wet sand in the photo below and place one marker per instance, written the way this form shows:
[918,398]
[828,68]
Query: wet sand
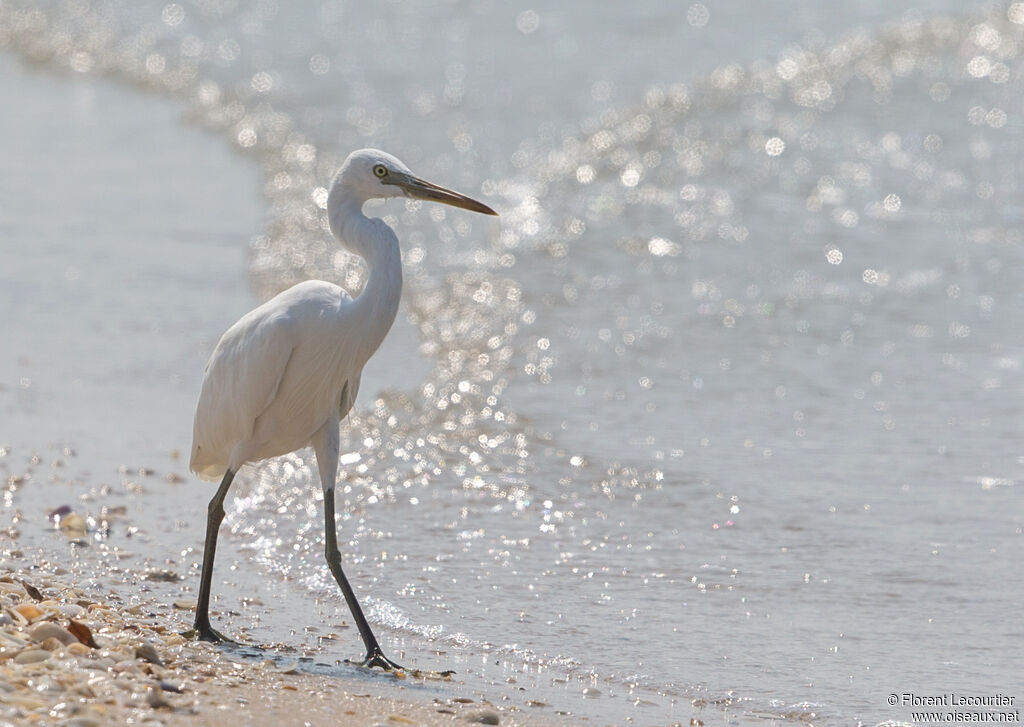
[73,657]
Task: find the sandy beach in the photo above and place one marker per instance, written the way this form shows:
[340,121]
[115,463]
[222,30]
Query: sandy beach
[81,659]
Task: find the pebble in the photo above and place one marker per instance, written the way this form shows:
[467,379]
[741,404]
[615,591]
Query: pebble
[78,649]
[487,716]
[24,702]
[50,675]
[52,644]
[155,699]
[147,652]
[8,641]
[49,630]
[71,610]
[82,722]
[162,576]
[32,656]
[48,686]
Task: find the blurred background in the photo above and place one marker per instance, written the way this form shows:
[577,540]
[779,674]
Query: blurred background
[722,413]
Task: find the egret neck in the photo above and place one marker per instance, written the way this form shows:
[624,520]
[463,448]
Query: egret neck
[375,242]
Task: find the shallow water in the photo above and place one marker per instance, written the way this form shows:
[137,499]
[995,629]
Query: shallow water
[724,407]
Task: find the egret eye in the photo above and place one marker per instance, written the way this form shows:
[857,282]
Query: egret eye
[381,171]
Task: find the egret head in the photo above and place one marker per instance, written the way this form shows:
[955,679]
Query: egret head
[374,174]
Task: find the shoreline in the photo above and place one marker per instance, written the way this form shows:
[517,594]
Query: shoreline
[72,657]
[109,590]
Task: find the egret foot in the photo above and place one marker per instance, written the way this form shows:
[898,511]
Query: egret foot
[375,657]
[206,633]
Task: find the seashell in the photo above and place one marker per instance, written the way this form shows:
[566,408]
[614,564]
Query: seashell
[32,591]
[29,611]
[73,525]
[81,632]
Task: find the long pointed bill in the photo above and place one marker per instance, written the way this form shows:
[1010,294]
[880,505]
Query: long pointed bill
[421,189]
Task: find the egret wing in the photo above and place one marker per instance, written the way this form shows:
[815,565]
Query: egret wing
[240,382]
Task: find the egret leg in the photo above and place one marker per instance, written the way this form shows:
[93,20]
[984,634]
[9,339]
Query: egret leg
[325,444]
[201,630]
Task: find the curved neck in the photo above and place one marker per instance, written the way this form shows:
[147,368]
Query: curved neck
[376,243]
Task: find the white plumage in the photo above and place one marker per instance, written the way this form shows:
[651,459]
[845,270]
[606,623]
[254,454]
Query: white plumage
[285,375]
[276,377]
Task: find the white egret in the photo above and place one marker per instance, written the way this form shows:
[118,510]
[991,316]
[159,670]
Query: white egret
[285,375]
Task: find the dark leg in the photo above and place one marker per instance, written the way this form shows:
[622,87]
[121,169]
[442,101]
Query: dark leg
[325,444]
[374,655]
[202,631]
